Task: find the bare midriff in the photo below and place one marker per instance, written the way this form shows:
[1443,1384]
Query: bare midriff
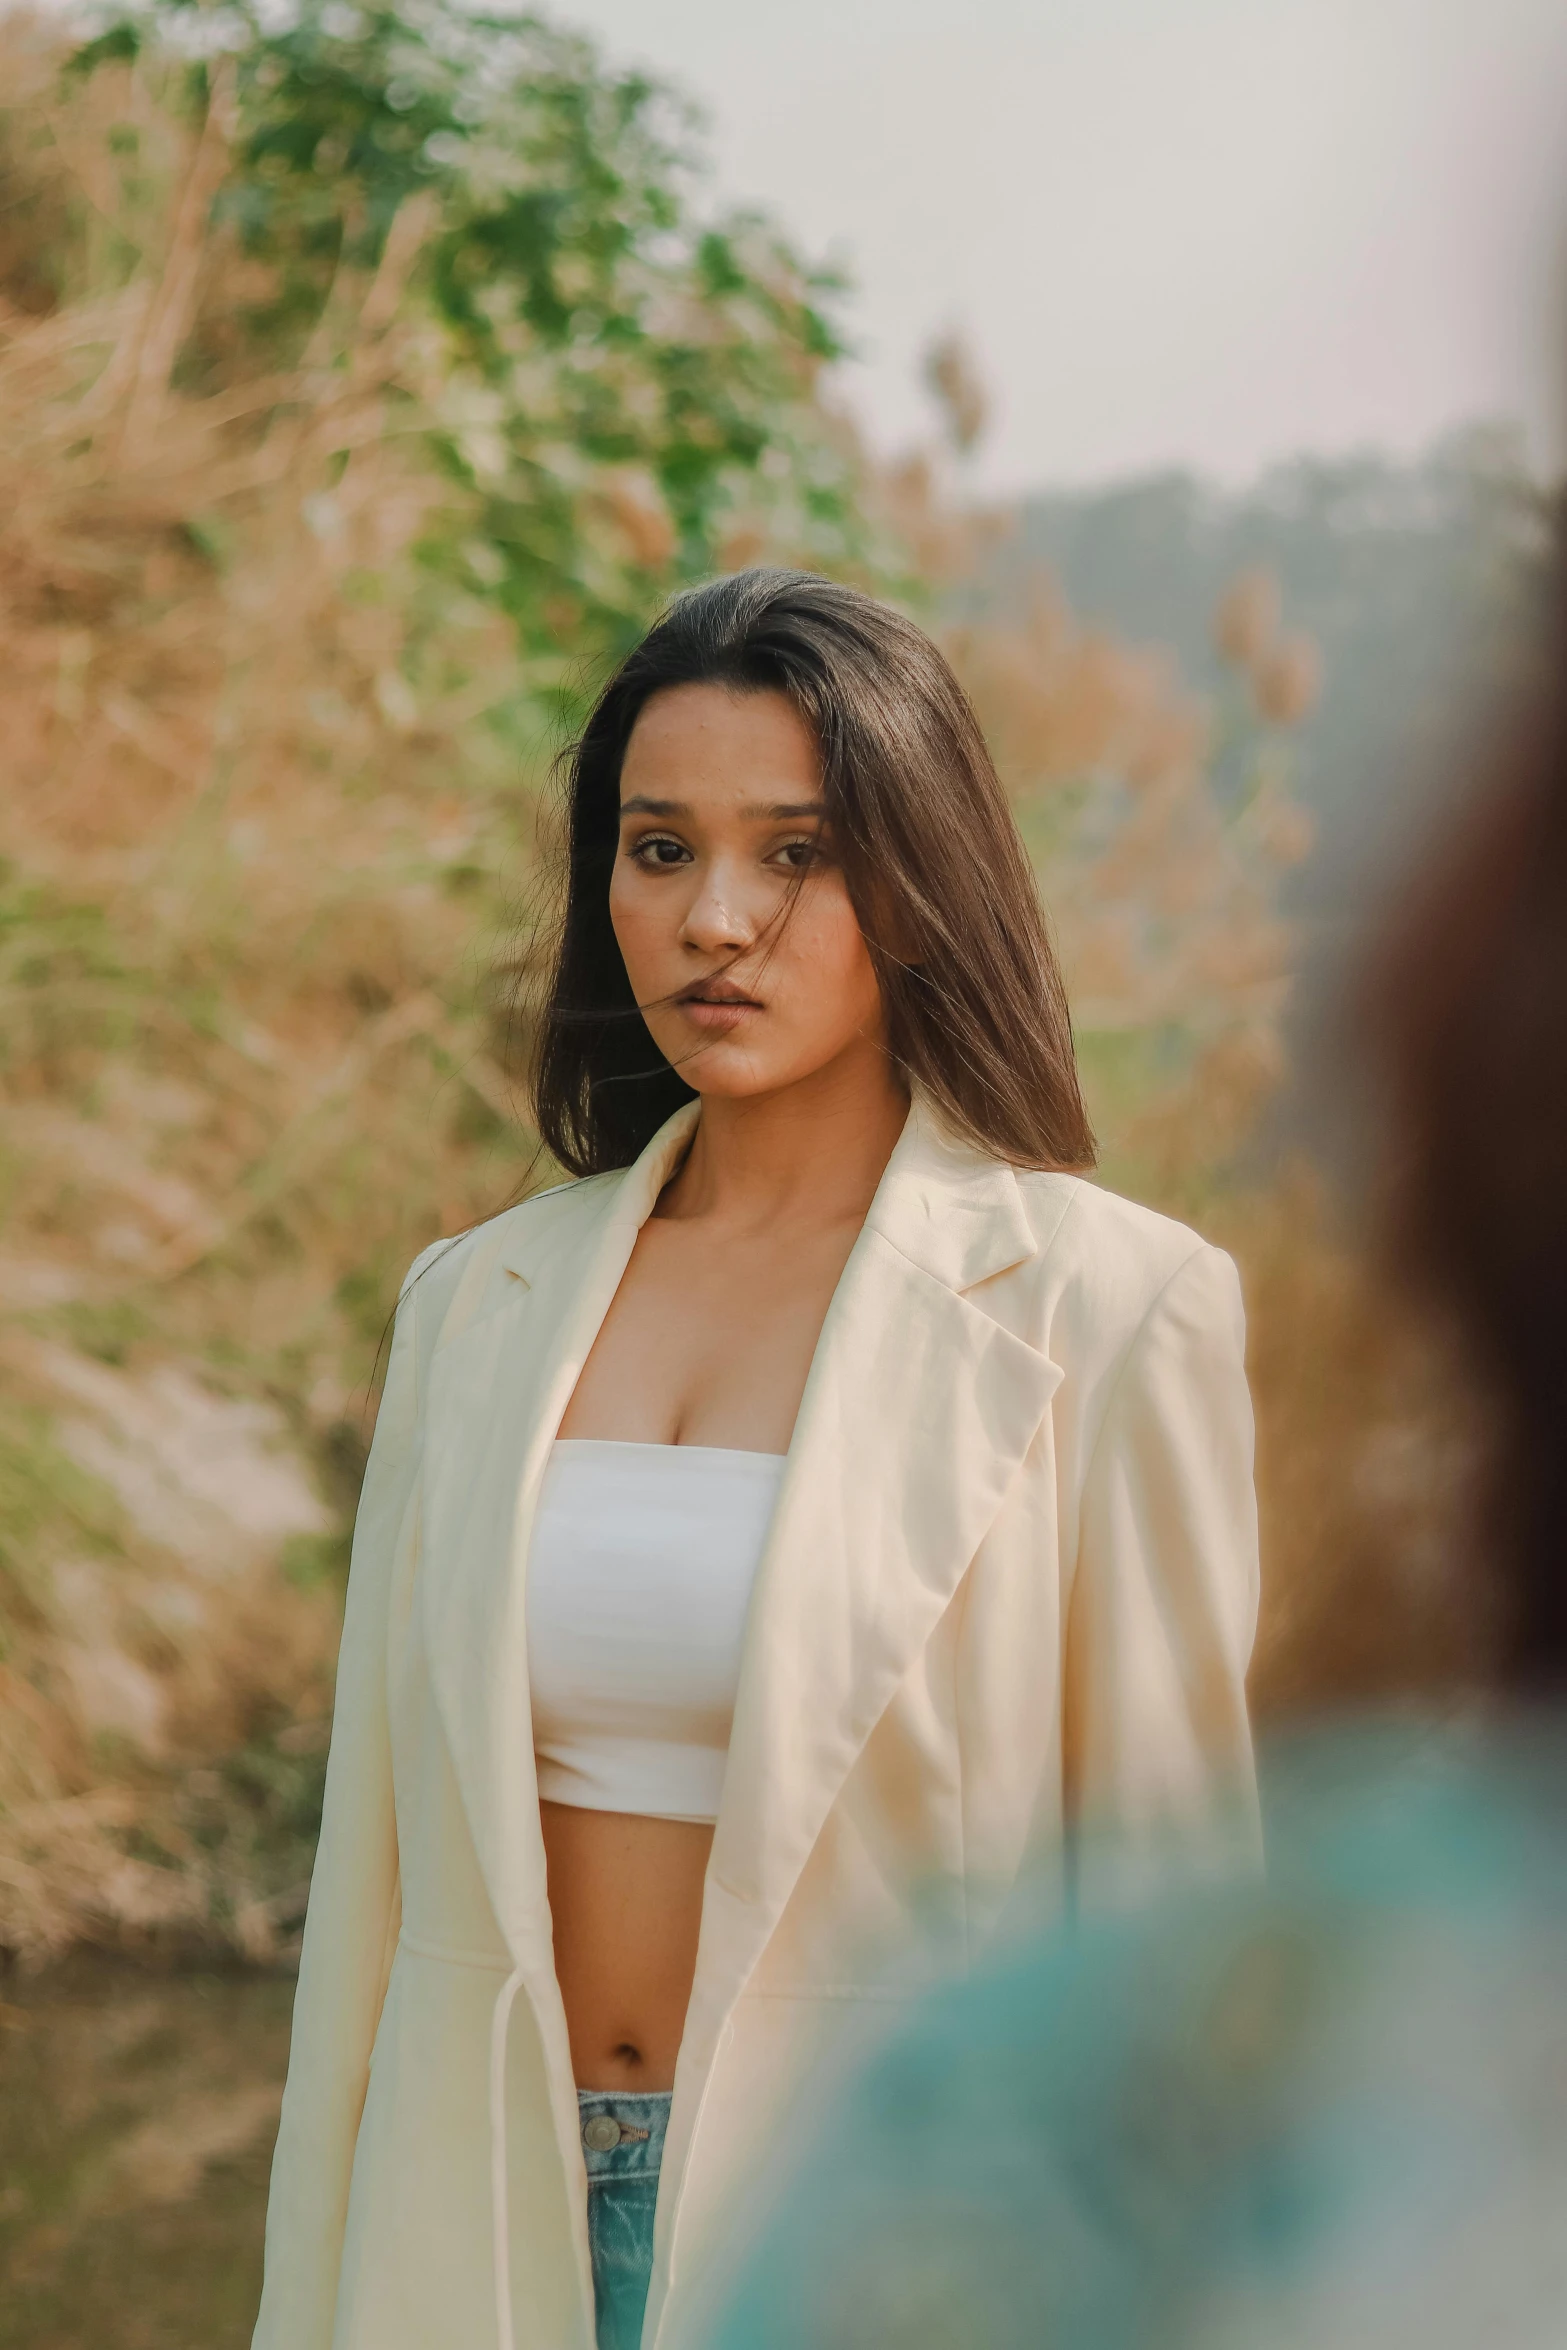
[626,1897]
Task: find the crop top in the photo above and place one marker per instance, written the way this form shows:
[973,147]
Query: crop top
[639,1580]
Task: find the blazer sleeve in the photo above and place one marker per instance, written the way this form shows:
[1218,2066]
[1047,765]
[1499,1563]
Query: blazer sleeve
[354,1913]
[1163,1609]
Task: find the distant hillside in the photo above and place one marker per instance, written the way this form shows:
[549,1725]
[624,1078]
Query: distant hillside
[1414,580]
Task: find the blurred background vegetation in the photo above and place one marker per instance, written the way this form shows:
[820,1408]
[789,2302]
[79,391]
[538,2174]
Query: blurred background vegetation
[368,376]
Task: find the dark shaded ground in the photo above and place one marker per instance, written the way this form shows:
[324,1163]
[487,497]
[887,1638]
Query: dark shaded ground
[137,2112]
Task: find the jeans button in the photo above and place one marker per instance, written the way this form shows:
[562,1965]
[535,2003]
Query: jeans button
[600,2132]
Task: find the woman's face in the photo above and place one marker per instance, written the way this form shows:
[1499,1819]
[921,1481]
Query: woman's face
[731,911]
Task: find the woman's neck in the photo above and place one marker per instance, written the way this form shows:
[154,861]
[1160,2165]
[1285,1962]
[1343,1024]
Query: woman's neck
[809,1154]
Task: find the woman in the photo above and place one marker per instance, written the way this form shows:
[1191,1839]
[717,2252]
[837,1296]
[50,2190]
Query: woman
[774,1538]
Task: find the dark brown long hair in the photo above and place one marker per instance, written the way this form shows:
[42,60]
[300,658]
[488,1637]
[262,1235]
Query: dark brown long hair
[976,1013]
[1469,1015]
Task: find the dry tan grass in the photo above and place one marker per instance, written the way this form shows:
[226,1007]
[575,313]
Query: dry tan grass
[248,1072]
[1370,1444]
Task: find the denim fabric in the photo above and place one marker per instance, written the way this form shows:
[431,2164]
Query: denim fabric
[622,2197]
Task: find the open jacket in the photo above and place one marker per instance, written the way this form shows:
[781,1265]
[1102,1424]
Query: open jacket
[1008,1595]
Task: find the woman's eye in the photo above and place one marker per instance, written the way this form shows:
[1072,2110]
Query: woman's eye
[801,855]
[659,848]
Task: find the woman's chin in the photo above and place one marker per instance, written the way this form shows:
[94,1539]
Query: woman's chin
[744,1062]
[733,1068]
[727,1069]
[729,1076]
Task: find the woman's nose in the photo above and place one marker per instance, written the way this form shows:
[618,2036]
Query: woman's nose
[714,921]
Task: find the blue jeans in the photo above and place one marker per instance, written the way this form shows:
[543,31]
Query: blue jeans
[622,2145]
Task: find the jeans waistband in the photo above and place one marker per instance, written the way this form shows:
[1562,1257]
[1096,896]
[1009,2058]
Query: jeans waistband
[640,2123]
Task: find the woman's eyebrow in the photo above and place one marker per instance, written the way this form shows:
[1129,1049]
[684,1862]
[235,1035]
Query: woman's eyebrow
[775,812]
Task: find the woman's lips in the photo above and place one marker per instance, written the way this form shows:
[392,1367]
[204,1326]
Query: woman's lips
[718,1013]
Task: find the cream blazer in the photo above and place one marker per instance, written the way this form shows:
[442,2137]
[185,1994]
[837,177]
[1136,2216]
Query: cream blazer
[1009,1589]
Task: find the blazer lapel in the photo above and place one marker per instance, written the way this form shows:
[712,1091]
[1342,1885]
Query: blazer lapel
[498,1389]
[915,1420]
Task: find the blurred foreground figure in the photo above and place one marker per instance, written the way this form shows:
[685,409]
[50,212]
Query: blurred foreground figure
[1334,2110]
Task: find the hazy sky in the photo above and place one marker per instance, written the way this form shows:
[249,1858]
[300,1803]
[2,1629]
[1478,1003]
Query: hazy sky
[1205,231]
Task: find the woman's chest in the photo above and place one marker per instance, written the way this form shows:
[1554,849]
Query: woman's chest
[709,1339]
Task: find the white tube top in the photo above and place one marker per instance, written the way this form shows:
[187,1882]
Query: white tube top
[639,1578]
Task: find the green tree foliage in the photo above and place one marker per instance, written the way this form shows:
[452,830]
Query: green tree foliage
[615,383]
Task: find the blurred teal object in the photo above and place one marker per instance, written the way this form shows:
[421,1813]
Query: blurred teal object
[1327,2110]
